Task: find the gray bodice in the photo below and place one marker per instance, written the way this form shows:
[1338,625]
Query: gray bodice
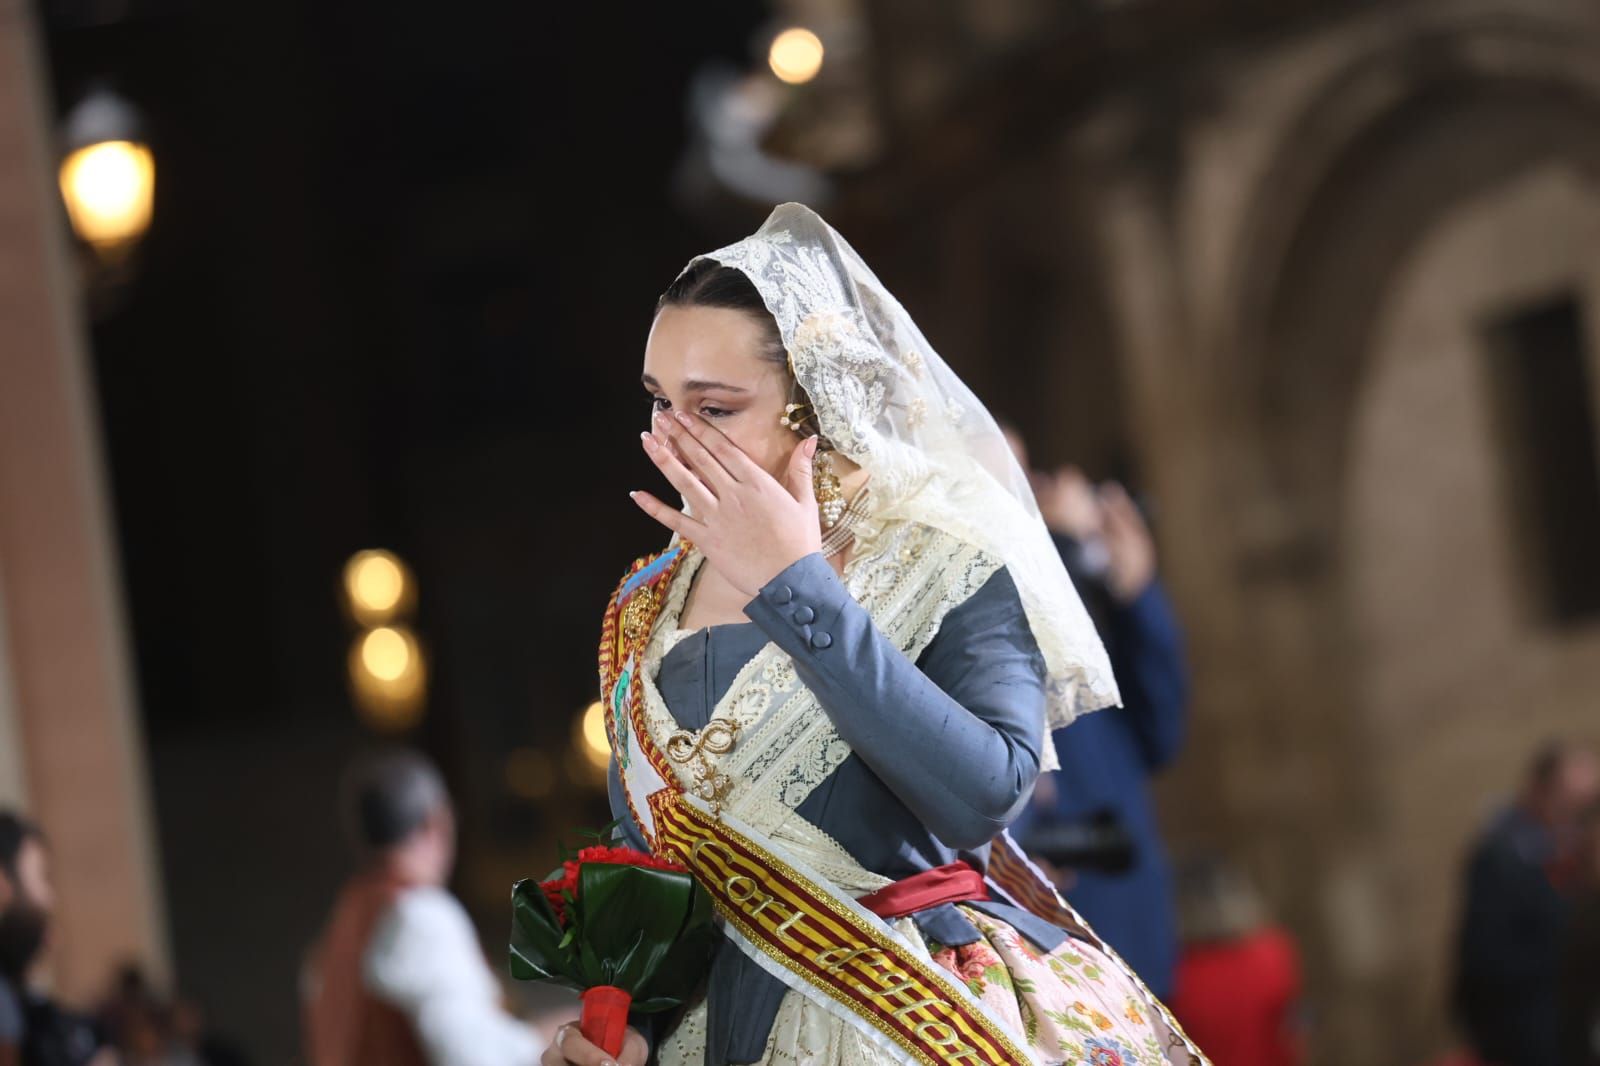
[944,750]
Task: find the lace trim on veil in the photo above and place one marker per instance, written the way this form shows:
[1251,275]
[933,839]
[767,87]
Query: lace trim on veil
[886,399]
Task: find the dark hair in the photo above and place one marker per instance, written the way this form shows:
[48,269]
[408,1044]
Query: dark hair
[709,283]
[15,831]
[388,795]
[1550,761]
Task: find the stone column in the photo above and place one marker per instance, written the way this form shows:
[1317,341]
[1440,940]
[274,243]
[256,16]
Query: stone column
[13,777]
[72,743]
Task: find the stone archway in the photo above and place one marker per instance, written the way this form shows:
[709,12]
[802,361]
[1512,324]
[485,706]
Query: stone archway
[1461,672]
[1391,153]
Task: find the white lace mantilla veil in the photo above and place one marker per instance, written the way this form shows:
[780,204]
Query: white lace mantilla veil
[886,400]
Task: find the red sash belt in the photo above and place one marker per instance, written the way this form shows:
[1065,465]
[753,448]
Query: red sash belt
[953,883]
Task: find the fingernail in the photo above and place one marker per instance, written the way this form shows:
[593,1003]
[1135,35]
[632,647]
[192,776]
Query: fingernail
[648,440]
[811,446]
[682,417]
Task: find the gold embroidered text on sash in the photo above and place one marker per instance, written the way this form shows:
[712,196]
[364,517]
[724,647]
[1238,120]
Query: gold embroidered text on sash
[829,946]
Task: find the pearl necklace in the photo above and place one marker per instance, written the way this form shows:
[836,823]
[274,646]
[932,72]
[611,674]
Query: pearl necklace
[843,529]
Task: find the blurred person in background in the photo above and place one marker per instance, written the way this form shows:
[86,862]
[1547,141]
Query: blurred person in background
[1580,963]
[1238,985]
[1099,804]
[189,1032]
[50,1035]
[151,1030]
[10,1003]
[1518,881]
[144,1042]
[128,998]
[399,977]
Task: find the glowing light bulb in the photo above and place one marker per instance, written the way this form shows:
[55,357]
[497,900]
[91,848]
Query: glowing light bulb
[109,190]
[388,678]
[592,742]
[795,56]
[386,653]
[376,585]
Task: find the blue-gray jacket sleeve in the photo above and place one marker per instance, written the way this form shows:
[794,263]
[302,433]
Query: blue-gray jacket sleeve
[956,736]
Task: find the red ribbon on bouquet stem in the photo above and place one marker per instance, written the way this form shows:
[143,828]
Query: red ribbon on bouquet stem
[604,1021]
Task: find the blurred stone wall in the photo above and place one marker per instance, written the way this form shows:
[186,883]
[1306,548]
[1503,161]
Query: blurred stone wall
[1261,273]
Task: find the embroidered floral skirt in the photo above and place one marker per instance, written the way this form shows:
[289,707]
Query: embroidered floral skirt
[1072,1005]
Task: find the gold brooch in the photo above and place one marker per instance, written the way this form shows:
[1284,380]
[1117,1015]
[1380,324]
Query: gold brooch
[639,613]
[684,748]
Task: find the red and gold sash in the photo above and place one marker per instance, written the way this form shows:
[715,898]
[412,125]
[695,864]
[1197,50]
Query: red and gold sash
[630,618]
[835,947]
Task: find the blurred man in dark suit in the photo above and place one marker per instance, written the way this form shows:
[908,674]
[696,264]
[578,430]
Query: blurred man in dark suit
[1108,757]
[1580,963]
[49,1034]
[1516,911]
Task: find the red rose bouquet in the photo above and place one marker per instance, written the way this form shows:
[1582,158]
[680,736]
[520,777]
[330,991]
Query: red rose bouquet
[627,930]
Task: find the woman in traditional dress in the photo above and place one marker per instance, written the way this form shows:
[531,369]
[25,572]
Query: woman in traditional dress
[835,688]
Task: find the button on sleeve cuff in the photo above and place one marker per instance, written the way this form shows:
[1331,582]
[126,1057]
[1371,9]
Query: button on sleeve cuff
[800,609]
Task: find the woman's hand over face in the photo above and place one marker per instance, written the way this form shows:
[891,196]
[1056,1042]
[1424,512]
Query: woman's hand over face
[749,525]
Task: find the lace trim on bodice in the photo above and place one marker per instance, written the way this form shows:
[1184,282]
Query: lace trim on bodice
[906,575]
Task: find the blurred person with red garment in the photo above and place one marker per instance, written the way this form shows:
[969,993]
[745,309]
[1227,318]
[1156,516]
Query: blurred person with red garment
[399,978]
[1519,881]
[11,1020]
[1238,988]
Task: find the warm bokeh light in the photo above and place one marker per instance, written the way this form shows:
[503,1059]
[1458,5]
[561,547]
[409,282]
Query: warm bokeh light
[386,653]
[376,585]
[388,677]
[591,737]
[530,773]
[109,189]
[796,55]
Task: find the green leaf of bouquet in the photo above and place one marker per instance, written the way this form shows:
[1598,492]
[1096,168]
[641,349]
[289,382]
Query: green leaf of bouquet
[636,916]
[701,911]
[679,972]
[623,905]
[590,968]
[656,1005]
[617,972]
[536,950]
[684,965]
